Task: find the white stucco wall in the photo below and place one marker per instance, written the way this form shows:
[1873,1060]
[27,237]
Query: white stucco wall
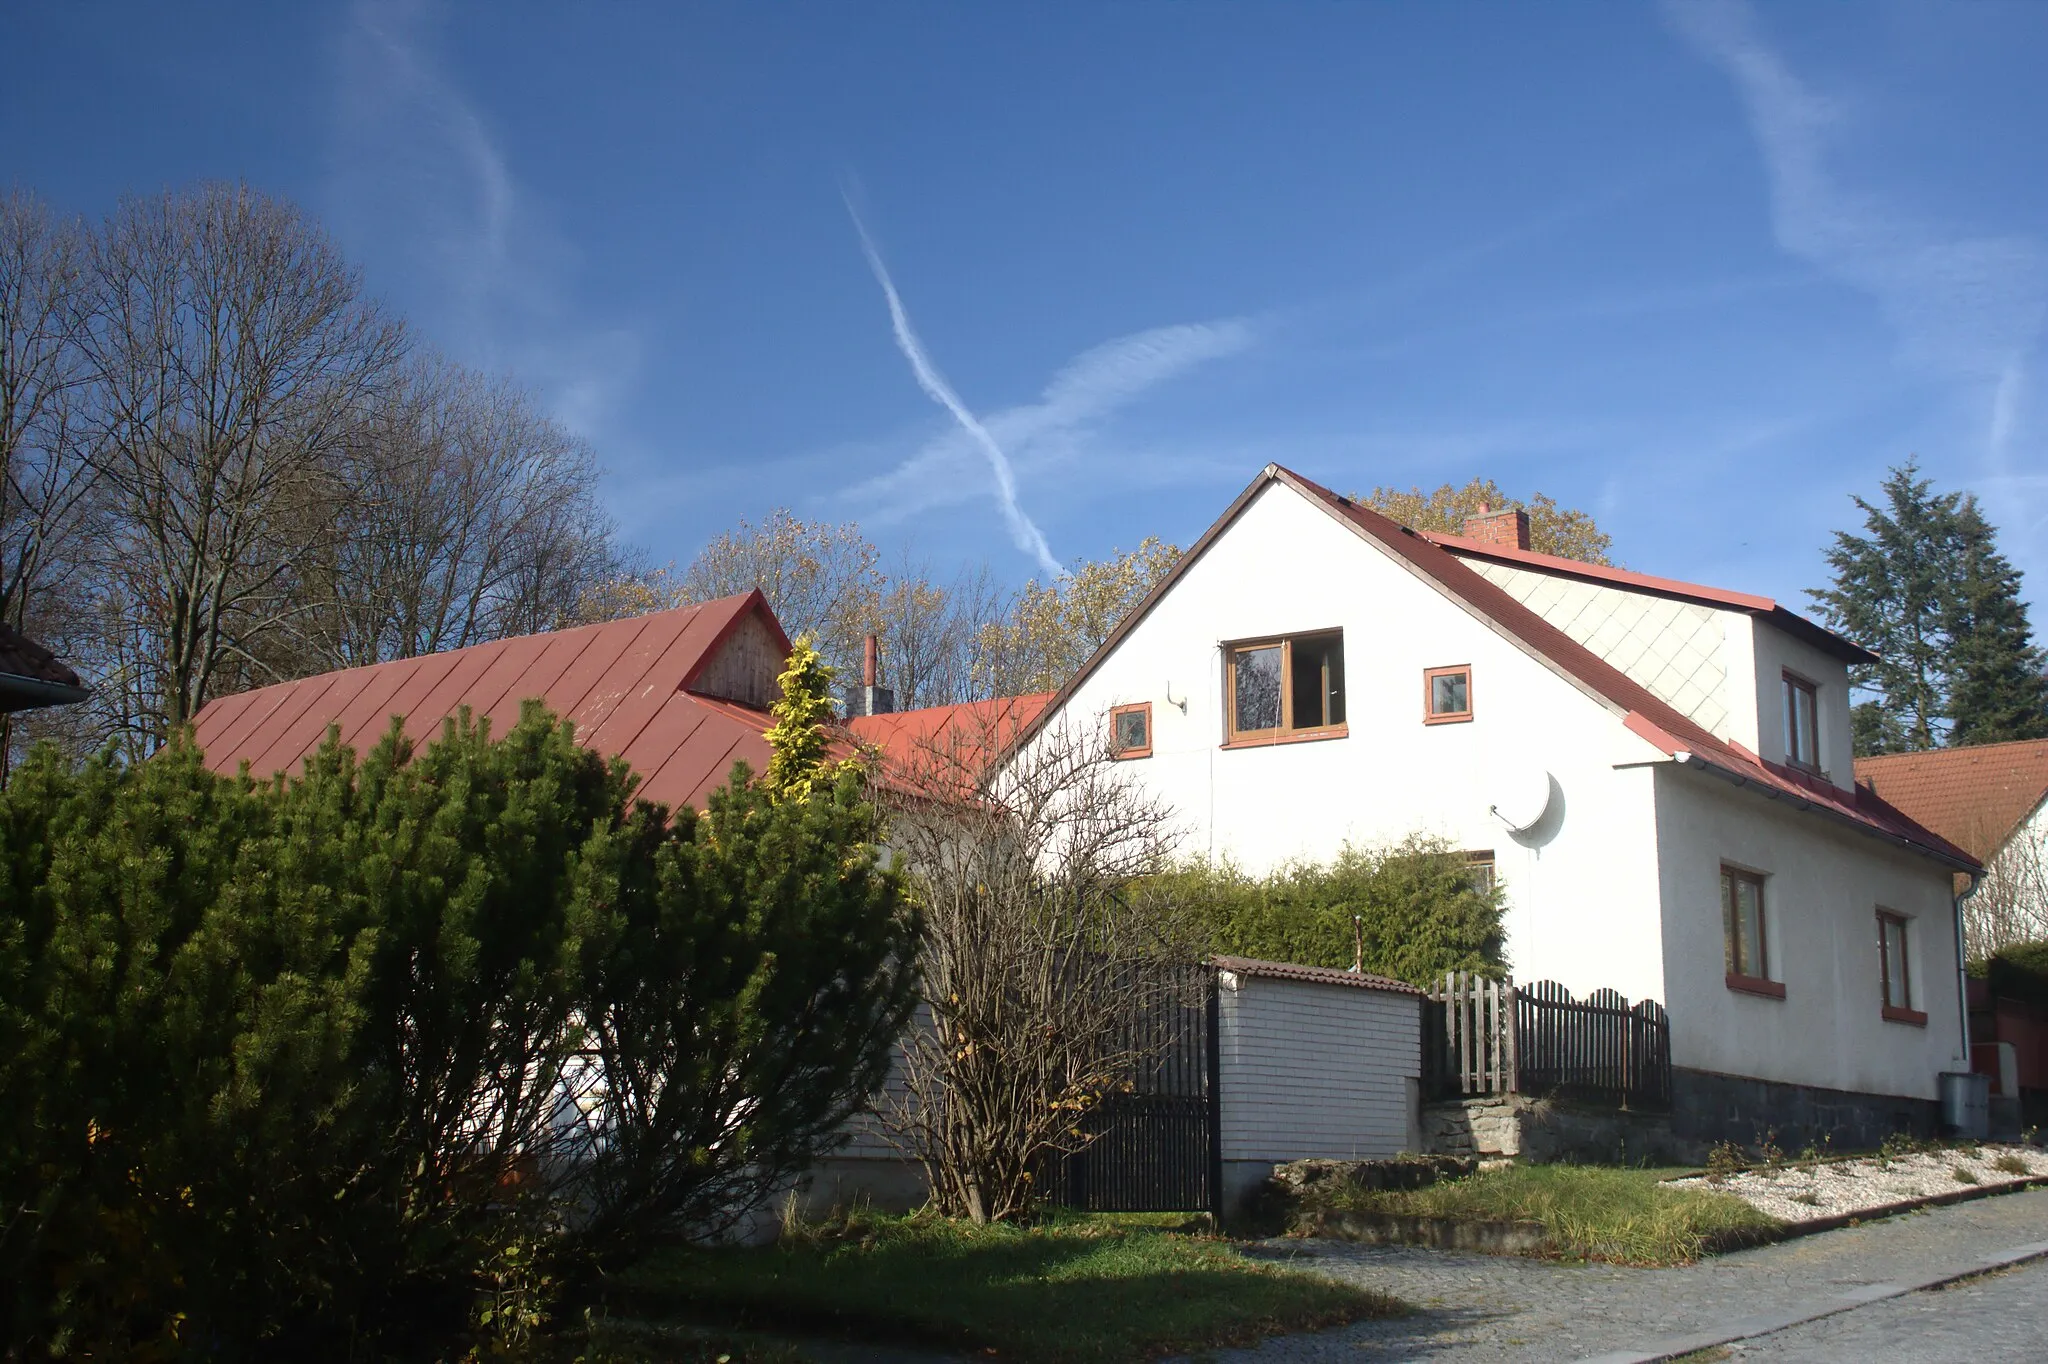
[2011,903]
[1824,884]
[1308,1070]
[1579,888]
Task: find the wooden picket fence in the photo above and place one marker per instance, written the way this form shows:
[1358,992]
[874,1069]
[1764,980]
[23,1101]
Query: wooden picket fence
[1488,1036]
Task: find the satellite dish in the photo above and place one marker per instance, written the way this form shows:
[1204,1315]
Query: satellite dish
[1521,798]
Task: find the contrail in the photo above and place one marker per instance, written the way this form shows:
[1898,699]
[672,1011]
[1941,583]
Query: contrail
[1022,529]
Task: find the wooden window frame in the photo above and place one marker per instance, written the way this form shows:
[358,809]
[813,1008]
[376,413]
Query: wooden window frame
[1233,737]
[1896,1013]
[1483,857]
[1790,685]
[1143,708]
[1763,984]
[1454,717]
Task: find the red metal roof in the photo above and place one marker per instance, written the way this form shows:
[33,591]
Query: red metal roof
[1314,975]
[1973,796]
[621,683]
[947,746]
[1606,575]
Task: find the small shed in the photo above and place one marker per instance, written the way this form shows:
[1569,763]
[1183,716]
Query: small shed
[1313,1063]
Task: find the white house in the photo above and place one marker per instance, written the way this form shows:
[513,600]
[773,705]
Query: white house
[1659,774]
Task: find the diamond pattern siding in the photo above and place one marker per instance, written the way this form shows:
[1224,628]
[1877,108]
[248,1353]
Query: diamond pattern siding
[1673,648]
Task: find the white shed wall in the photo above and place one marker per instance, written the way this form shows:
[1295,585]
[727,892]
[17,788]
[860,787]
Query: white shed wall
[1823,887]
[1311,1070]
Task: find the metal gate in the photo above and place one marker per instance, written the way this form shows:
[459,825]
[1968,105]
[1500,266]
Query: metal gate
[1156,1147]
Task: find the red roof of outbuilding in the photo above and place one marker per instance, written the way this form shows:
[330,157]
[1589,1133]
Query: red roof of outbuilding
[623,684]
[1973,796]
[949,747]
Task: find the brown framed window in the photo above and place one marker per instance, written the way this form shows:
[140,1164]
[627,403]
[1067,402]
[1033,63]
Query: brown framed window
[1130,730]
[1286,688]
[1895,976]
[1802,737]
[1743,932]
[1480,863]
[1446,694]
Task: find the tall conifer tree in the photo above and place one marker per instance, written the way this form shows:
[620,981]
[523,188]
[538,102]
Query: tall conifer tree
[2001,676]
[1893,593]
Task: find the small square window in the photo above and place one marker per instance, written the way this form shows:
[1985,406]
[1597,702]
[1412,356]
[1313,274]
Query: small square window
[1130,731]
[1446,694]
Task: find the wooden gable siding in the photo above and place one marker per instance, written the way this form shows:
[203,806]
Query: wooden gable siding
[745,666]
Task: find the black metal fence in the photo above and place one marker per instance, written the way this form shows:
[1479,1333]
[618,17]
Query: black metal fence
[1489,1036]
[1153,1147]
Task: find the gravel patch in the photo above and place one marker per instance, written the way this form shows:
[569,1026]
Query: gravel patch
[1802,1193]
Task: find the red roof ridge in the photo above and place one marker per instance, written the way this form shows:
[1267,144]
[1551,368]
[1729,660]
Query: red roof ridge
[1579,568]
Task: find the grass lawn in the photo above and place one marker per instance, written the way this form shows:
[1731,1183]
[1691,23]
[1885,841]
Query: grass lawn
[1591,1212]
[1069,1289]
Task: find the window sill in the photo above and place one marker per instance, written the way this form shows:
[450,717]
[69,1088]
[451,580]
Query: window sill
[1126,754]
[1756,985]
[1459,718]
[1301,736]
[1894,1014]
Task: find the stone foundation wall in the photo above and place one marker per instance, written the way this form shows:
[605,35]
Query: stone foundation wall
[1500,1126]
[1708,1108]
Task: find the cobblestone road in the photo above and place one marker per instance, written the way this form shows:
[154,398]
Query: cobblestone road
[1979,1321]
[1478,1307]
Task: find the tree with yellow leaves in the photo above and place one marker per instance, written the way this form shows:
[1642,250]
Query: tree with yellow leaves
[1564,531]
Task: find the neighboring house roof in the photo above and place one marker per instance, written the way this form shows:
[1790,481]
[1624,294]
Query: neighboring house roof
[626,685]
[1315,975]
[1645,714]
[946,746]
[31,676]
[1790,622]
[1973,796]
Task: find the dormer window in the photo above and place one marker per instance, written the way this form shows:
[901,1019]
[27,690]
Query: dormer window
[1802,736]
[1286,688]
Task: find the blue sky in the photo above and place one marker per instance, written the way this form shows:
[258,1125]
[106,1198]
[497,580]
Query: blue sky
[1702,269]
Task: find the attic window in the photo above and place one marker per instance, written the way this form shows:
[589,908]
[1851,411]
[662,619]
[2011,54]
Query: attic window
[1130,731]
[1802,742]
[1286,688]
[1446,694]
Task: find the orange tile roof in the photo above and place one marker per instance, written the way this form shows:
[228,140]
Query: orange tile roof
[1973,796]
[624,684]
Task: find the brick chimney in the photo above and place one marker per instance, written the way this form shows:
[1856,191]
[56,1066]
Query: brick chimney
[872,698]
[1508,527]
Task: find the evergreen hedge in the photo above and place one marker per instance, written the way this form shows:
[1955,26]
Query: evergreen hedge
[285,1066]
[1423,911]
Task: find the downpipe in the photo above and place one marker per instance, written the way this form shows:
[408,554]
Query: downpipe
[1962,964]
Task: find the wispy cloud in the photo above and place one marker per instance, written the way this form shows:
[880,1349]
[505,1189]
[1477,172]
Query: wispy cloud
[425,193]
[1022,528]
[1065,419]
[1963,306]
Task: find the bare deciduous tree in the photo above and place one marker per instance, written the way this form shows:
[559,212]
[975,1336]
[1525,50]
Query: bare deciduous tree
[1039,964]
[232,352]
[48,488]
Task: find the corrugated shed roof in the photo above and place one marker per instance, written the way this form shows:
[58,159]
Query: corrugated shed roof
[1973,796]
[31,675]
[1314,975]
[622,683]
